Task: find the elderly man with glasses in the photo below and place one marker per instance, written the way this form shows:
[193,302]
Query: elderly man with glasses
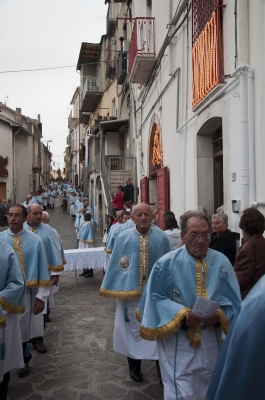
[189,343]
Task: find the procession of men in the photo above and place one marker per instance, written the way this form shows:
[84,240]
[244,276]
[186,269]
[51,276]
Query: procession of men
[161,295]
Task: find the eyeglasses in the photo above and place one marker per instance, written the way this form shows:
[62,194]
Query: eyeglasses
[16,216]
[196,236]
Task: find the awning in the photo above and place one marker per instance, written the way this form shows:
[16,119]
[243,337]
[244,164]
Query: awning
[113,125]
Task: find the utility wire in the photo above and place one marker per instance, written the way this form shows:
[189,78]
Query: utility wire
[45,69]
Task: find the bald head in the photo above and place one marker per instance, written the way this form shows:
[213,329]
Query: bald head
[142,216]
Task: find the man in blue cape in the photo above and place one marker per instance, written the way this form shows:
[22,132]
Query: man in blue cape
[134,254]
[53,254]
[239,371]
[31,253]
[12,302]
[188,345]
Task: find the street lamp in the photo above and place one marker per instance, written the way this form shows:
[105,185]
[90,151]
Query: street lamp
[46,141]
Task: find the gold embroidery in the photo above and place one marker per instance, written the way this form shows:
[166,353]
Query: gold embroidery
[107,250]
[13,308]
[2,321]
[36,284]
[86,241]
[166,330]
[56,268]
[17,244]
[115,294]
[194,334]
[143,259]
[64,262]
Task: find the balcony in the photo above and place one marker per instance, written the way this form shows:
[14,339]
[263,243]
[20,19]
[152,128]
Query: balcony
[122,67]
[142,50]
[91,94]
[84,117]
[111,19]
[72,121]
[35,163]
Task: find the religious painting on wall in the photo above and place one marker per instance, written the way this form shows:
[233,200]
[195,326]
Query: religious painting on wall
[157,158]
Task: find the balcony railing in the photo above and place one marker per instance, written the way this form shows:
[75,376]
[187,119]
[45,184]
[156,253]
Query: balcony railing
[92,84]
[122,67]
[142,50]
[91,94]
[72,121]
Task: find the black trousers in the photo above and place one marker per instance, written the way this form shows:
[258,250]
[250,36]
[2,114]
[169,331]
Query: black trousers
[4,386]
[134,365]
[26,358]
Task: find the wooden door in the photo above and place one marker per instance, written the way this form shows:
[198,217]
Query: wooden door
[144,190]
[2,191]
[162,195]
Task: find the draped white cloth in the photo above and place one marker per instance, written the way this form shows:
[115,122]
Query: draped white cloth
[85,258]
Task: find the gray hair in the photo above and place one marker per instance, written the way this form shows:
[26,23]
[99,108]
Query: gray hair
[46,213]
[222,216]
[190,214]
[220,209]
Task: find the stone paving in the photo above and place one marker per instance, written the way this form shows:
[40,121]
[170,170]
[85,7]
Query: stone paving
[80,363]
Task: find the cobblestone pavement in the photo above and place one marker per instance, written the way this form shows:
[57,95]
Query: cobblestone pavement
[80,363]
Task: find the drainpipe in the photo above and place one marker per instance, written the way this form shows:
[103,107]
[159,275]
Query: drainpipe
[15,166]
[244,172]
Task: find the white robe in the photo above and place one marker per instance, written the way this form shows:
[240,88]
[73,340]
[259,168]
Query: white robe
[32,325]
[13,347]
[185,368]
[126,338]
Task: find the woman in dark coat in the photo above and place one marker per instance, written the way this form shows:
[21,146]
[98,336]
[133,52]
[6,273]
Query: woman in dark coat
[250,260]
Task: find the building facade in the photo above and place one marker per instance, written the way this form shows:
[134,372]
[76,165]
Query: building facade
[20,154]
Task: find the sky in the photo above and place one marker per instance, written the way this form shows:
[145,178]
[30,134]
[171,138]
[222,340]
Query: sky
[37,34]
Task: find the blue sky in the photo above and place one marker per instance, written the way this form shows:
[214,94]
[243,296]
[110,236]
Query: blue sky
[45,34]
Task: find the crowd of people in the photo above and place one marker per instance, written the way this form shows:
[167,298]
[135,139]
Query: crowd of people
[163,283]
[156,277]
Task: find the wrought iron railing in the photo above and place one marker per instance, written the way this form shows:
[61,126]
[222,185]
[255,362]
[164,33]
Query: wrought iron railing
[142,40]
[92,84]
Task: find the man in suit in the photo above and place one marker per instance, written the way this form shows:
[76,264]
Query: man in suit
[222,238]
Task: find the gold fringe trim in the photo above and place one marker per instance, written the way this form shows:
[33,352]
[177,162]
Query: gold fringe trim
[39,283]
[64,262]
[138,315]
[115,294]
[13,308]
[55,268]
[107,250]
[86,241]
[17,245]
[2,321]
[166,330]
[223,321]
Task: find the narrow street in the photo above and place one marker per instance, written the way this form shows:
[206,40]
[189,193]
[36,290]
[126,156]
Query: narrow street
[80,363]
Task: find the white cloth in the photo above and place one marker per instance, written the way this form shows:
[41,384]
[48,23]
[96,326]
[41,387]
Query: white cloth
[82,245]
[32,325]
[85,258]
[193,367]
[174,237]
[13,347]
[126,338]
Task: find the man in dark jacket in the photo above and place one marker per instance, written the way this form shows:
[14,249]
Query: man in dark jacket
[222,238]
[128,191]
